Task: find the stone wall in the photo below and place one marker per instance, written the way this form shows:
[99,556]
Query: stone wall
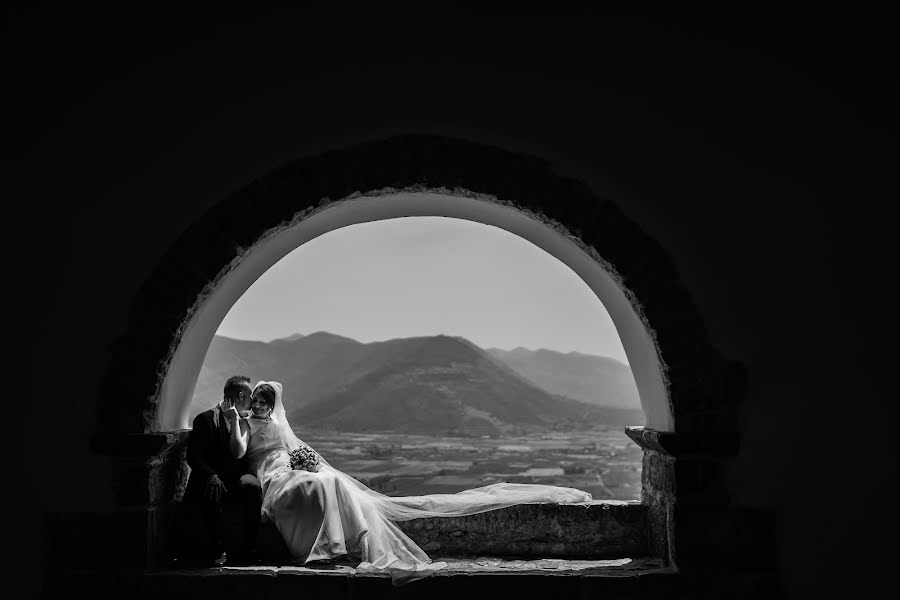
[592,530]
[692,521]
[686,516]
[706,391]
[685,474]
[169,473]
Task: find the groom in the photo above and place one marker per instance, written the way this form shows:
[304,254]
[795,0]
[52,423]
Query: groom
[219,490]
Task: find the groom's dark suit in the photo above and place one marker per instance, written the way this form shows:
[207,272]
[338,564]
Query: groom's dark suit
[231,523]
[208,453]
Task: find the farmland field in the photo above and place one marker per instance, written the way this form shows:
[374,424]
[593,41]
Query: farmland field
[604,461]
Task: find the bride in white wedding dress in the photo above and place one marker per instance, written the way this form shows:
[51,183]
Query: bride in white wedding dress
[327,513]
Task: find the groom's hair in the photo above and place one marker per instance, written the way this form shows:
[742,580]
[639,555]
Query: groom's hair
[236,384]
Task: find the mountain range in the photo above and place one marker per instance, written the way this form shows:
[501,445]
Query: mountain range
[598,380]
[434,385]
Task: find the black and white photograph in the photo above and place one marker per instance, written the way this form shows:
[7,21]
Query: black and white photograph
[451,302]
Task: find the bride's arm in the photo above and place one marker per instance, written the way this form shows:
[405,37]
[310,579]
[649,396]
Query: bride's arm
[240,437]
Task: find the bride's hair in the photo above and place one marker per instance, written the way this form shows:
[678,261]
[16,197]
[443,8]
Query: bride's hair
[267,392]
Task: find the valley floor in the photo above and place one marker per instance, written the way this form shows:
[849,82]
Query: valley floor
[604,461]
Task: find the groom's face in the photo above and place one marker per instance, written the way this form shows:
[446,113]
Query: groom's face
[242,400]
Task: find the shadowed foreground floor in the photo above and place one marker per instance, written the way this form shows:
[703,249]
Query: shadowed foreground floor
[477,577]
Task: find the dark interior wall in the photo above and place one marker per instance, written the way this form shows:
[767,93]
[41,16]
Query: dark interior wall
[753,148]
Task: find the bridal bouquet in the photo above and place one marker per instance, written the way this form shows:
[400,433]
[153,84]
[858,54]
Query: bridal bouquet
[304,459]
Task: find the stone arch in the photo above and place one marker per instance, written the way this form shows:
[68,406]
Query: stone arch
[168,306]
[687,455]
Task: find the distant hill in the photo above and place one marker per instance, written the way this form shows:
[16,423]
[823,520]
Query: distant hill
[290,338]
[437,385]
[598,380]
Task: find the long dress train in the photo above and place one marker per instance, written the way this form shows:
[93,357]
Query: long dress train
[329,513]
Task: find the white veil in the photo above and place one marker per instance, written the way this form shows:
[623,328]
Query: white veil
[468,502]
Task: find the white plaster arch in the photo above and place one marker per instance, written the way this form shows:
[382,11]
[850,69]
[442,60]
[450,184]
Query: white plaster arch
[177,387]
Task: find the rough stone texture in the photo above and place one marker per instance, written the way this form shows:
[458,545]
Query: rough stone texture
[657,474]
[691,519]
[590,530]
[169,470]
[658,494]
[685,516]
[168,475]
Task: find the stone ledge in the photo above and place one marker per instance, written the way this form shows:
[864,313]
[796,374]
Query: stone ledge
[599,529]
[676,444]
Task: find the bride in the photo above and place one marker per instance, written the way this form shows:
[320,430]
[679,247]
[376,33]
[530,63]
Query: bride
[323,513]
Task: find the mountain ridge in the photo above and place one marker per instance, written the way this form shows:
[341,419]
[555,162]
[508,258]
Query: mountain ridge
[440,385]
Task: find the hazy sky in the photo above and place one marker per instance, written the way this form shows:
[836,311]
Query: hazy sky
[424,276]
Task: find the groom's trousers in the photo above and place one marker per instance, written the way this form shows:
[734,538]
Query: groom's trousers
[230,525]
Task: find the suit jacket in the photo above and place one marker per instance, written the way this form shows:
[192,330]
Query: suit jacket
[208,453]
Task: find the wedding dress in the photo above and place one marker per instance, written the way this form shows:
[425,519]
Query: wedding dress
[327,514]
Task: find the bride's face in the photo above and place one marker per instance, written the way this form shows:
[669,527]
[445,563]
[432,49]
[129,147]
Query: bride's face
[259,406]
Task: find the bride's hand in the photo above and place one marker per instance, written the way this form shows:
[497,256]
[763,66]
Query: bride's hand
[232,415]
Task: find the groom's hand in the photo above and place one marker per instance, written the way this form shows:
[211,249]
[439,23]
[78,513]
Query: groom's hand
[215,488]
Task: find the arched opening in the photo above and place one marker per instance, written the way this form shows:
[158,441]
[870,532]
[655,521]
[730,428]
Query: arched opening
[433,355]
[688,393]
[177,387]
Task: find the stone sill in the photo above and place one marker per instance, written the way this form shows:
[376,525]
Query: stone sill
[587,530]
[675,444]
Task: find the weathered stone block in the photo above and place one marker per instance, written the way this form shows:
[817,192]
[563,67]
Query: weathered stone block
[659,518]
[592,530]
[658,474]
[168,470]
